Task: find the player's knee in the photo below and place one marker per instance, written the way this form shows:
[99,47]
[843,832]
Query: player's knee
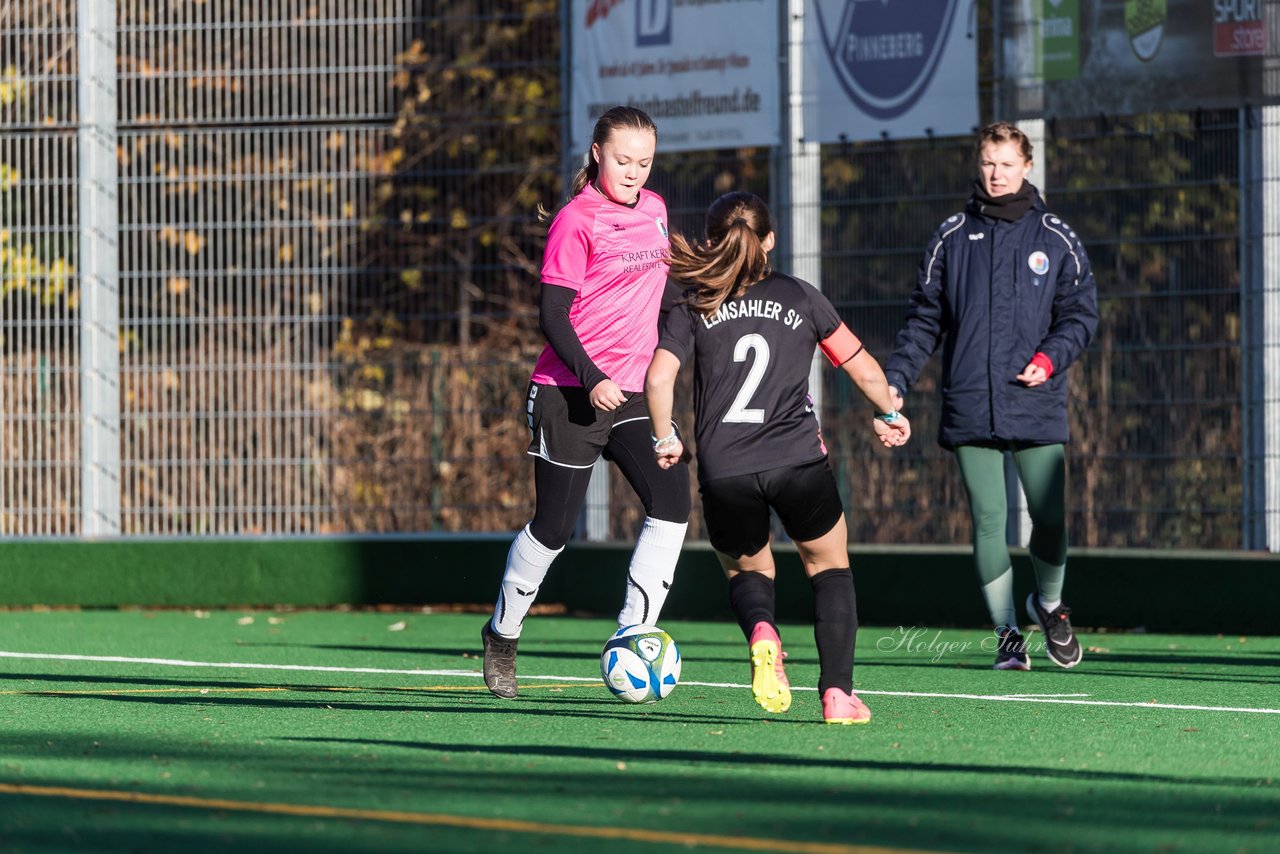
[989,523]
[670,504]
[549,534]
[674,510]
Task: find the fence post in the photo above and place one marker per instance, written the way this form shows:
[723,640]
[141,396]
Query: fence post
[1260,326]
[1269,128]
[800,180]
[593,521]
[99,266]
[1018,521]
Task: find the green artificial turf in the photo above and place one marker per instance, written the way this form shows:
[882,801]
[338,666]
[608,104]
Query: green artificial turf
[352,751]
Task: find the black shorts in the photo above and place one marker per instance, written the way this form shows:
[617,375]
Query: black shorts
[568,430]
[736,509]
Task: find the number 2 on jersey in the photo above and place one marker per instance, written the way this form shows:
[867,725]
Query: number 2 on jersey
[738,412]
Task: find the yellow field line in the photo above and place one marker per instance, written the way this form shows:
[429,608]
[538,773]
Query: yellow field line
[91,691]
[523,687]
[39,692]
[688,840]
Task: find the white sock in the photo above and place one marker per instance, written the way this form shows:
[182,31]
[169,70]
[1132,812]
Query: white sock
[999,596]
[1049,606]
[653,567]
[527,563]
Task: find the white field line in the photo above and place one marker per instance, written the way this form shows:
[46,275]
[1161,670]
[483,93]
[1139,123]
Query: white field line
[1065,699]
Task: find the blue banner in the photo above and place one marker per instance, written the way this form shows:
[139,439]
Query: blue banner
[905,68]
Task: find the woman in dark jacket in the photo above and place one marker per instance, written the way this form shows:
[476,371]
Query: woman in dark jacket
[1005,288]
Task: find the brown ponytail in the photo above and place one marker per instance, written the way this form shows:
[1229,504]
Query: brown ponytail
[731,258]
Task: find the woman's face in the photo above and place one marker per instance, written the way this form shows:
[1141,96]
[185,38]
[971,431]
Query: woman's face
[625,159]
[1003,168]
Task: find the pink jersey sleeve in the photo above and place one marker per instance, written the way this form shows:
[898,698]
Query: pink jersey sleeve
[564,261]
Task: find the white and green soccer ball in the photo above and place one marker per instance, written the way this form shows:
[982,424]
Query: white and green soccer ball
[640,664]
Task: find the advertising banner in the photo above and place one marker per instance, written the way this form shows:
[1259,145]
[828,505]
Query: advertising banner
[706,71]
[1065,58]
[1059,42]
[905,68]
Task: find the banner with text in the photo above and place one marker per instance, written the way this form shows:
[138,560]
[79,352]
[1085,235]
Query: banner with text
[902,68]
[706,71]
[1065,58]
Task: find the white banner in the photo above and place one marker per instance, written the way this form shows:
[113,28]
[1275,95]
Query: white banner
[706,71]
[905,68]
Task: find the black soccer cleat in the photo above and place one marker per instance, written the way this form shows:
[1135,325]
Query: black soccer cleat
[499,662]
[1011,654]
[1059,638]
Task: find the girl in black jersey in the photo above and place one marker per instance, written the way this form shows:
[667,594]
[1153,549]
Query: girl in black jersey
[751,333]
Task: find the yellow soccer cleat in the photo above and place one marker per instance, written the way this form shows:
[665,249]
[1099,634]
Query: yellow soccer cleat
[769,682]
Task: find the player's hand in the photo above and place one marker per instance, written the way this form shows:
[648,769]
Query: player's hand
[605,395]
[671,455]
[893,435]
[1033,375]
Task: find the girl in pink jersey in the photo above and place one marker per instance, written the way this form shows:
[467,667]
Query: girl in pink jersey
[604,276]
[752,333]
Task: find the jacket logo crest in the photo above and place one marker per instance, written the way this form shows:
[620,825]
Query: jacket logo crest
[1038,262]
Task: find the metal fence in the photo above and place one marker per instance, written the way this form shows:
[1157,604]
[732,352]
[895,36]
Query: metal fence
[1156,452]
[326,263]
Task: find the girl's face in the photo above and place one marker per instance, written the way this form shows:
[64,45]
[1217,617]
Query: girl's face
[1002,168]
[625,159]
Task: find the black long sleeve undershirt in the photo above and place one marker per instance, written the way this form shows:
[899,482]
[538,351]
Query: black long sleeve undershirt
[553,317]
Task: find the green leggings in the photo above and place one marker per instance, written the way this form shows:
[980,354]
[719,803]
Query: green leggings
[1042,470]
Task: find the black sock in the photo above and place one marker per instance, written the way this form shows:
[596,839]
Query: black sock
[751,599]
[835,627]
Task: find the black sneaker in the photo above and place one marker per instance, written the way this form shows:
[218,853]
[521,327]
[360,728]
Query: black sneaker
[499,662]
[1011,654]
[1059,638]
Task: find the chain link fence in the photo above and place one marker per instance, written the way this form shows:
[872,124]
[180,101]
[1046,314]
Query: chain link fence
[327,264]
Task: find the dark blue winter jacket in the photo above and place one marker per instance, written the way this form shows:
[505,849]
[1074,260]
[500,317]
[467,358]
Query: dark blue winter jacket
[994,293]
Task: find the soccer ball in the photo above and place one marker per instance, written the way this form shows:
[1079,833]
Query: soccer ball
[640,664]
